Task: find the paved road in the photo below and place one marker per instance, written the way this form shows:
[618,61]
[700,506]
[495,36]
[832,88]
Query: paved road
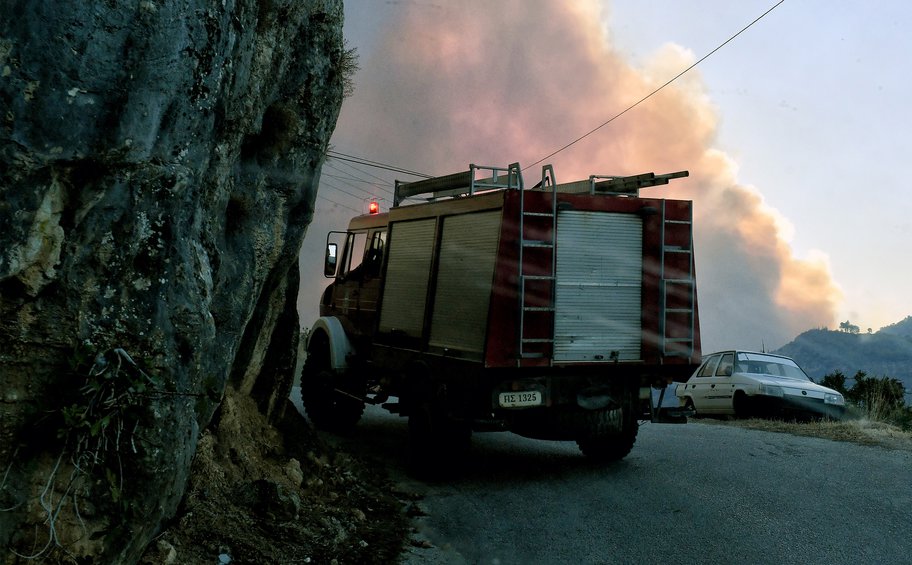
[695,493]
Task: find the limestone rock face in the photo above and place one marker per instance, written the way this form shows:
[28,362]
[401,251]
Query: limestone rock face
[158,167]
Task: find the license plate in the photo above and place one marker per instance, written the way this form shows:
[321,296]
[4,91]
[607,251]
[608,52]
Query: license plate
[520,398]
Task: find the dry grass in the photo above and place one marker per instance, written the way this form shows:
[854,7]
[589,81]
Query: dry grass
[862,431]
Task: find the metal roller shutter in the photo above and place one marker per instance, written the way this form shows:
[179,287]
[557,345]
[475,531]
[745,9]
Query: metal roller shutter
[468,249]
[407,273]
[599,285]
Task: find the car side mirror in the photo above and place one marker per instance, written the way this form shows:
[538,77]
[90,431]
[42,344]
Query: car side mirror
[330,260]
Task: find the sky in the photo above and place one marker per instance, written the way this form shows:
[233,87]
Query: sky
[794,133]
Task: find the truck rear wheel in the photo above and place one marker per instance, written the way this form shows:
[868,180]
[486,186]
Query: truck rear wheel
[333,400]
[606,440]
[436,440]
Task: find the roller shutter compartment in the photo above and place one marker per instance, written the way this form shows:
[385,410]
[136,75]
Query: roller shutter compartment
[599,286]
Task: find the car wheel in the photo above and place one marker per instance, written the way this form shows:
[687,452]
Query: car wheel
[332,400]
[743,405]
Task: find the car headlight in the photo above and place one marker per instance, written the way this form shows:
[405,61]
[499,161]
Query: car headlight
[771,390]
[834,399]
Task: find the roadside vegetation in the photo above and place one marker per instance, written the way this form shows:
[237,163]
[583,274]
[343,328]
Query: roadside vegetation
[876,414]
[878,399]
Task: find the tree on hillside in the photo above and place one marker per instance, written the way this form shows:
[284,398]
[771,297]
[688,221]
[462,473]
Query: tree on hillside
[849,327]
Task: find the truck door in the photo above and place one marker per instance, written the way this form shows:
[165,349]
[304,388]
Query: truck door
[357,283]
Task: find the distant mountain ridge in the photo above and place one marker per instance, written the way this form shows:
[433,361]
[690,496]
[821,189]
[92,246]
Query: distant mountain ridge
[886,353]
[903,328]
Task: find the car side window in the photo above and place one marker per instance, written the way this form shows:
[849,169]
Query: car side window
[708,367]
[726,365]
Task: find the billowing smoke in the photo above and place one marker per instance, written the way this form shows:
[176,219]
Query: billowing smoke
[495,83]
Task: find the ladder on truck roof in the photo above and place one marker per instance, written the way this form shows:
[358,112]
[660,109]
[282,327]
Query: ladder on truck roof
[461,184]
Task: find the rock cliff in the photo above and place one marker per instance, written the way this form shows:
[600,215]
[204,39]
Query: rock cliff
[158,167]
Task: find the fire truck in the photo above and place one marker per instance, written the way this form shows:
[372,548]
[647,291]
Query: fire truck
[478,304]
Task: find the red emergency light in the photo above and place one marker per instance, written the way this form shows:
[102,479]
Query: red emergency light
[373,207]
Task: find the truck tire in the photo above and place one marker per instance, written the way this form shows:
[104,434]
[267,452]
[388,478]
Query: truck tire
[436,440]
[606,442]
[333,400]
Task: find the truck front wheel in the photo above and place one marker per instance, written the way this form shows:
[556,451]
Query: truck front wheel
[333,400]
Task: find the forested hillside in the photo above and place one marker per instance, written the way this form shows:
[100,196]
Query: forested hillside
[903,328]
[885,353]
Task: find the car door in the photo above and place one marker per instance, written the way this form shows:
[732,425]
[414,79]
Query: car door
[720,387]
[698,386]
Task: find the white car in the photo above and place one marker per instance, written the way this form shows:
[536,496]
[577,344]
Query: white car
[750,384]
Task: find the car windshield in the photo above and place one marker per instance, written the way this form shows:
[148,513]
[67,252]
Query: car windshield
[760,364]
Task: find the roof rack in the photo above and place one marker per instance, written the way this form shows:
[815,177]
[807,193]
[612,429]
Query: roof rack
[465,183]
[613,185]
[461,184]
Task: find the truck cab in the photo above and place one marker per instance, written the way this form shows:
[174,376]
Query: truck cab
[354,258]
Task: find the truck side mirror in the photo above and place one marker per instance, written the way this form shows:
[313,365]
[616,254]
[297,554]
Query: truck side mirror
[330,260]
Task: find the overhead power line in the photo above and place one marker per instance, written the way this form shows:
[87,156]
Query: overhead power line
[366,196]
[362,171]
[651,94]
[350,178]
[338,203]
[375,164]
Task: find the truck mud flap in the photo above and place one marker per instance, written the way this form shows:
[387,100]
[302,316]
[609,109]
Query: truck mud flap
[668,414]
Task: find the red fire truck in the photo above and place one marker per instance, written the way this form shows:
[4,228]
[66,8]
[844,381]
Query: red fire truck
[551,312]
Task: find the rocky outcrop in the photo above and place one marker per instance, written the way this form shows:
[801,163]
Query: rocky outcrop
[158,166]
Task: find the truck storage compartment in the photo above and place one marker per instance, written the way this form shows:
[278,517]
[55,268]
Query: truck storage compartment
[468,249]
[598,305]
[408,271]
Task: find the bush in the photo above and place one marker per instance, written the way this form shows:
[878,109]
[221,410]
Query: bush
[880,399]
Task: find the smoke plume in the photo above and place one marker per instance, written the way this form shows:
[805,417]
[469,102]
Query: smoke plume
[495,83]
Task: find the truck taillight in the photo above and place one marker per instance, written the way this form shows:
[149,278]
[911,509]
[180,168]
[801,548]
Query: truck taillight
[373,207]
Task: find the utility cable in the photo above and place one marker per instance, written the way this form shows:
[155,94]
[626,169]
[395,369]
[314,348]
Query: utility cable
[338,203]
[347,178]
[324,182]
[651,94]
[362,171]
[376,164]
